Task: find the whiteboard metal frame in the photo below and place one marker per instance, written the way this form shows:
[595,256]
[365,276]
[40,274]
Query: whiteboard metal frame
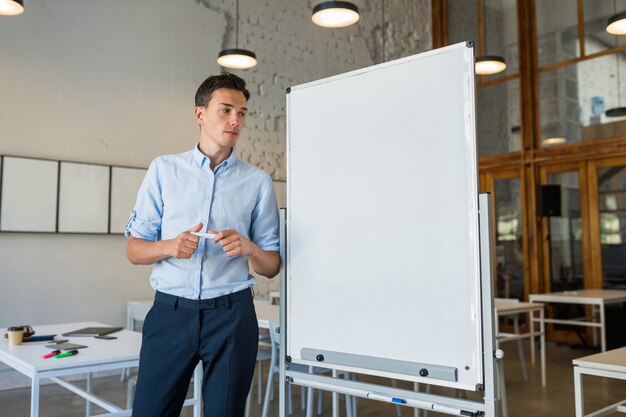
[439,403]
[439,359]
[487,380]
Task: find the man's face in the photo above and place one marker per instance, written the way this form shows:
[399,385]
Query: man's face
[223,119]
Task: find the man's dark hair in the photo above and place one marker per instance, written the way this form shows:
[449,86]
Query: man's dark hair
[214,82]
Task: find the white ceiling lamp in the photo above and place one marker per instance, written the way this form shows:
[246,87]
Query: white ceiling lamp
[487,64]
[553,141]
[11,7]
[335,14]
[236,58]
[617,24]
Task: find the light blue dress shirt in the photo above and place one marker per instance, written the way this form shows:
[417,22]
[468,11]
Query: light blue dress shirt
[180,191]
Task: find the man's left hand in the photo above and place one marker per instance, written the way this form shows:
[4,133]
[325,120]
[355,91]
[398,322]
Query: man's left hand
[233,243]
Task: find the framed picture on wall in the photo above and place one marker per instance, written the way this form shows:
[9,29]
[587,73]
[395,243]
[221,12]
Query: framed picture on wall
[83,198]
[28,201]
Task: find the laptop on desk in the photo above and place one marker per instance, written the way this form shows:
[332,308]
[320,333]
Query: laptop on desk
[93,331]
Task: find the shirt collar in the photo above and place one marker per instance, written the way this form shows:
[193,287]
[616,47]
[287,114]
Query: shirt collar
[201,158]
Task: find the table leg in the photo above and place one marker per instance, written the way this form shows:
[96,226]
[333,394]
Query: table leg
[197,390]
[34,397]
[594,315]
[603,327]
[520,348]
[578,394]
[542,330]
[531,324]
[88,403]
[335,396]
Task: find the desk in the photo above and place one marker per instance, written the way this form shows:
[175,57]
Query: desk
[514,307]
[611,364]
[101,355]
[595,297]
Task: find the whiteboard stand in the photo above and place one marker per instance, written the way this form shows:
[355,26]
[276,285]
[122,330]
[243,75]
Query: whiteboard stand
[418,400]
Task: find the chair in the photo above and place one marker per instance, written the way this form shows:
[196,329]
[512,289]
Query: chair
[274,369]
[502,337]
[136,312]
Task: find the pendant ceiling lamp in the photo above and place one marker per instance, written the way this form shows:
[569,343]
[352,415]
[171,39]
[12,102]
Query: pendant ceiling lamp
[335,14]
[553,141]
[618,111]
[487,64]
[11,7]
[236,58]
[617,24]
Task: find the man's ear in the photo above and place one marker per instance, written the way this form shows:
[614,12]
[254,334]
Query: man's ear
[199,113]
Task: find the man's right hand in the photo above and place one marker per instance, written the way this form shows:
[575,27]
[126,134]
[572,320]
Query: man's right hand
[185,244]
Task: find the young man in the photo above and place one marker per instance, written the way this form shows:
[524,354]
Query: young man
[203,306]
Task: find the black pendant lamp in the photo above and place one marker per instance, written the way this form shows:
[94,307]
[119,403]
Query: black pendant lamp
[617,24]
[487,64]
[236,58]
[335,14]
[11,7]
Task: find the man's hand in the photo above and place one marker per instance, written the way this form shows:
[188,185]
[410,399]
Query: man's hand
[263,262]
[233,243]
[185,244]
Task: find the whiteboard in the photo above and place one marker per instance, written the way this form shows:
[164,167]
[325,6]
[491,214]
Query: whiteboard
[83,198]
[29,195]
[382,227]
[124,185]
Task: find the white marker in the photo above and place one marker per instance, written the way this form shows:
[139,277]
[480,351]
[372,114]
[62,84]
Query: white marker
[204,235]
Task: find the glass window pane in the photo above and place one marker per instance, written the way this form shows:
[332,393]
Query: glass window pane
[565,236]
[573,100]
[498,118]
[500,28]
[557,31]
[462,18]
[509,254]
[612,210]
[597,13]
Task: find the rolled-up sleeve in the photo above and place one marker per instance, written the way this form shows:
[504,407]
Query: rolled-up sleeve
[264,228]
[145,218]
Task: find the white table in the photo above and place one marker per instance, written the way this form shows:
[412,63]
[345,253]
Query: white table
[515,308]
[611,364]
[596,298]
[100,355]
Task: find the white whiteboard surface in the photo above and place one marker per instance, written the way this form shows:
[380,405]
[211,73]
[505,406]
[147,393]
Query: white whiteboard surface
[382,225]
[125,183]
[29,195]
[83,198]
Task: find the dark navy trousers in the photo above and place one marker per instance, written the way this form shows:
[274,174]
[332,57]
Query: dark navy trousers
[221,332]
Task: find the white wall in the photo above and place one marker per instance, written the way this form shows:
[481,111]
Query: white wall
[113,82]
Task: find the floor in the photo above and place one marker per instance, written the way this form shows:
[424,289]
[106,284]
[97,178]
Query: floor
[525,398]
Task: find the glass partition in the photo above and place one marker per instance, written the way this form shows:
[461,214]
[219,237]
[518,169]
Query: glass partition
[574,100]
[498,118]
[612,211]
[565,236]
[509,251]
[557,31]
